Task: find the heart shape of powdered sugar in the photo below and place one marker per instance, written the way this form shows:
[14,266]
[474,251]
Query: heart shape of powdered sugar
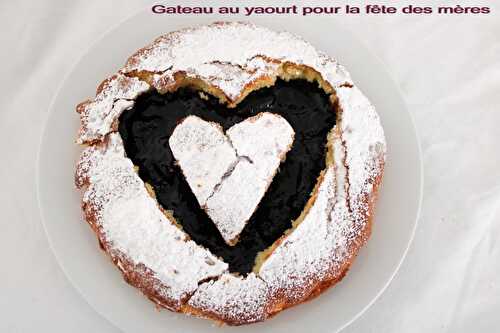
[230,173]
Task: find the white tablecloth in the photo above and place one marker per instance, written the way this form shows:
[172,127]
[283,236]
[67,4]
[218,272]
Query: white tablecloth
[448,68]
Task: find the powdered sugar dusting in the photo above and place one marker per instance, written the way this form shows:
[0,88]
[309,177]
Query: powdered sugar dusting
[230,174]
[226,76]
[230,56]
[320,244]
[264,139]
[306,251]
[261,143]
[250,52]
[204,154]
[134,225]
[364,141]
[215,53]
[235,200]
[98,116]
[234,299]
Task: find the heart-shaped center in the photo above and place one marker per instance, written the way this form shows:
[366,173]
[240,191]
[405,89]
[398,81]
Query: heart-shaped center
[147,128]
[230,173]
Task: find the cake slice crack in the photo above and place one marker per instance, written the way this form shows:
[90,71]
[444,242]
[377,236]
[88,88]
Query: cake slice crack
[235,299]
[230,172]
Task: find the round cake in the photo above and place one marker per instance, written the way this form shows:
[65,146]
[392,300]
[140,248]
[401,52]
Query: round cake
[230,171]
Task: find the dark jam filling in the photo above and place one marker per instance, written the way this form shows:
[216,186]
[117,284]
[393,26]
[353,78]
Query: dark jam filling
[146,128]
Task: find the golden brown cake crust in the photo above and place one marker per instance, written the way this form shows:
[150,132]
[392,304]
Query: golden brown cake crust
[339,213]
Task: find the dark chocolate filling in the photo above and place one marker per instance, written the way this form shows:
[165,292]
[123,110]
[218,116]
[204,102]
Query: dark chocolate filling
[146,128]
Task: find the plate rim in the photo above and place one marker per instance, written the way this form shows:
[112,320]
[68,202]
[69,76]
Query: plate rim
[64,81]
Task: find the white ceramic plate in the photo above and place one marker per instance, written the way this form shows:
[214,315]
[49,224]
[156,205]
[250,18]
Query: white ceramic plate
[100,283]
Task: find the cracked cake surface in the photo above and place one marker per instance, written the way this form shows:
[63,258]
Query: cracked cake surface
[204,154]
[226,91]
[230,174]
